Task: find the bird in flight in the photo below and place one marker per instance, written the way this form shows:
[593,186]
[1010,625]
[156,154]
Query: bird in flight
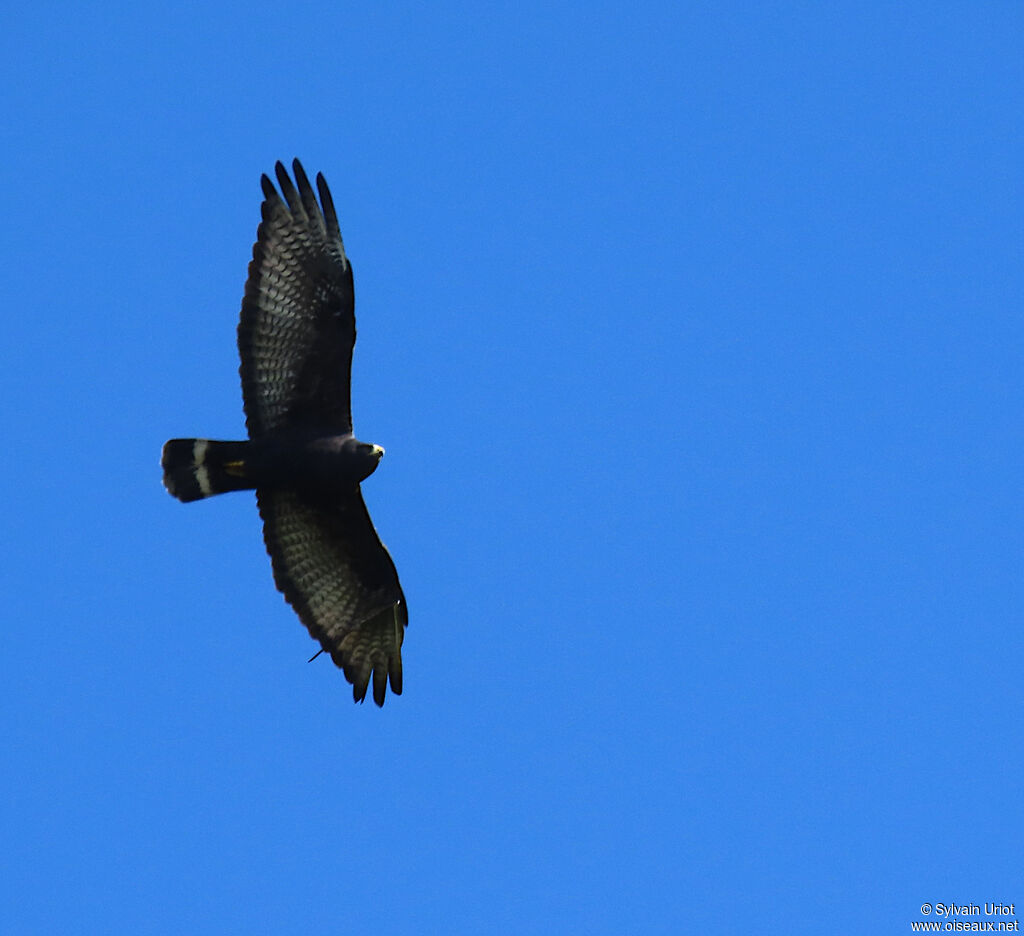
[295,340]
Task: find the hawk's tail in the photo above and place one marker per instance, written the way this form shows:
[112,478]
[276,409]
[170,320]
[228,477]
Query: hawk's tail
[198,468]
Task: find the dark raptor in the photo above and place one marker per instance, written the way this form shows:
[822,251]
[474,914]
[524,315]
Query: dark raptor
[295,339]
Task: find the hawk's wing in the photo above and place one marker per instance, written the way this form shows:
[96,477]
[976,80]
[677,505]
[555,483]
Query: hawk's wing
[298,324]
[336,573]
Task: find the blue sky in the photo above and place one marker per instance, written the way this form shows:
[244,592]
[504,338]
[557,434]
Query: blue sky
[693,333]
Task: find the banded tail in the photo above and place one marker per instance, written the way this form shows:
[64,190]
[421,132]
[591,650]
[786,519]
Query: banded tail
[198,468]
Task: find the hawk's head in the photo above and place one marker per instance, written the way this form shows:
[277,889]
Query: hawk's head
[362,458]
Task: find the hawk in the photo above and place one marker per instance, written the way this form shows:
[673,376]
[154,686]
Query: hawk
[295,340]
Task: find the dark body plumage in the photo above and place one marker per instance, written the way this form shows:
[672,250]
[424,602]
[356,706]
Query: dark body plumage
[295,340]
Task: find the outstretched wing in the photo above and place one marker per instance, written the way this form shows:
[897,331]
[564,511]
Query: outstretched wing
[336,573]
[298,325]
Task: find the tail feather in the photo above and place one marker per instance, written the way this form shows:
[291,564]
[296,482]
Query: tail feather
[198,468]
